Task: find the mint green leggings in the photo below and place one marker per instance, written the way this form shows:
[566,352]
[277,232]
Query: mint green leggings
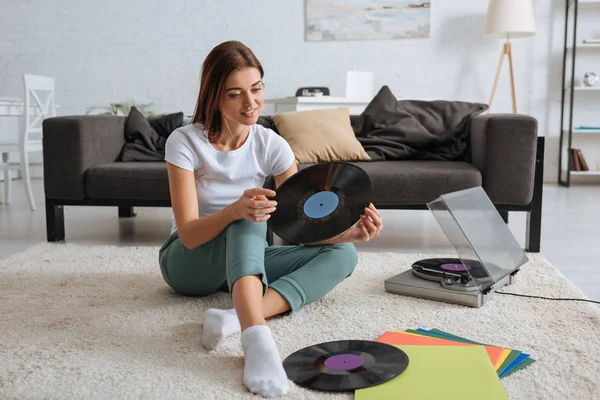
[301,274]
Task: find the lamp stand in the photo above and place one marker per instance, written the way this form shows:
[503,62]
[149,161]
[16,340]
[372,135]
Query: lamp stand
[506,51]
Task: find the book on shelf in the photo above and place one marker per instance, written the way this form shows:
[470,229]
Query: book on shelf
[578,162]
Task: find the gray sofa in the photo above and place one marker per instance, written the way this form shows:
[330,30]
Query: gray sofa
[507,161]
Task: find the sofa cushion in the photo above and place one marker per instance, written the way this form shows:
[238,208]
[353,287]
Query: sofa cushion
[391,129]
[320,135]
[128,180]
[145,138]
[416,182]
[267,122]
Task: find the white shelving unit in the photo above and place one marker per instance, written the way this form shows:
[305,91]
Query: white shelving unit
[585,172]
[587,88]
[583,2]
[585,46]
[576,130]
[578,99]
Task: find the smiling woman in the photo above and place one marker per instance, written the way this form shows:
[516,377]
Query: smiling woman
[217,168]
[225,73]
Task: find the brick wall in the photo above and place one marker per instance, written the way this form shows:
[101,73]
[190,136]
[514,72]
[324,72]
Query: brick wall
[151,51]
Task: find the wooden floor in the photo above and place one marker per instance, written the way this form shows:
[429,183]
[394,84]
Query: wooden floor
[570,230]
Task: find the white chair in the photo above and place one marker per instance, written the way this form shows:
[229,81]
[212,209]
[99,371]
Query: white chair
[34,112]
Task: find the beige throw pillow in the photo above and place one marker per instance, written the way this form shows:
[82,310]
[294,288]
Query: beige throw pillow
[320,135]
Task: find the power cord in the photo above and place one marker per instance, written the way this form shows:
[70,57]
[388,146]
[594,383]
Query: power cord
[548,298]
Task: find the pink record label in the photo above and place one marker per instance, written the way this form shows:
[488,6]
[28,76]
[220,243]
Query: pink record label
[344,362]
[454,267]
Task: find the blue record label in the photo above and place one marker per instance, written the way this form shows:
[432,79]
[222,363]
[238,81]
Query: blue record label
[321,204]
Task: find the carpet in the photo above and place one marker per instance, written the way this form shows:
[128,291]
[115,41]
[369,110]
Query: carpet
[98,322]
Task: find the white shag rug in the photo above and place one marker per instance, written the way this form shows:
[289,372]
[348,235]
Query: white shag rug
[98,322]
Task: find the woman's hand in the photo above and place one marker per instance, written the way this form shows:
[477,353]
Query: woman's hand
[367,228]
[253,205]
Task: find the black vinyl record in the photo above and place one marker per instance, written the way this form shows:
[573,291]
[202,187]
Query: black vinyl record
[320,202]
[451,267]
[345,365]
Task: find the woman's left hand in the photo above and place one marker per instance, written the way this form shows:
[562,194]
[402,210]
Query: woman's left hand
[367,228]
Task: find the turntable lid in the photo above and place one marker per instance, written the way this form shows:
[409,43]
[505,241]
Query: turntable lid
[478,233]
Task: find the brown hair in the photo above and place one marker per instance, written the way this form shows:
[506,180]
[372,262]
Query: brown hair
[224,59]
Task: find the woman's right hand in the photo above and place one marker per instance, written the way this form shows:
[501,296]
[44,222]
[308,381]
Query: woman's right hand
[254,205]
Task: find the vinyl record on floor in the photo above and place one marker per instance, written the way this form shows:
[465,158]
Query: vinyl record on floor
[345,365]
[320,202]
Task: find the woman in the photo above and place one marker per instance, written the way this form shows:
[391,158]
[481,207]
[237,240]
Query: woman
[217,167]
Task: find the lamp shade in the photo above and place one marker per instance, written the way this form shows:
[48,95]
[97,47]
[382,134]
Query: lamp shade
[510,18]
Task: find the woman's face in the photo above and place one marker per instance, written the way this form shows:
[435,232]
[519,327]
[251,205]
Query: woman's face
[243,97]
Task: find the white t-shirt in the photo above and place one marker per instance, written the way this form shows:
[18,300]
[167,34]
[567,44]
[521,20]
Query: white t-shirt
[223,176]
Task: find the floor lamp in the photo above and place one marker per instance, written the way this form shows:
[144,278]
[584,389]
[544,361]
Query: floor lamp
[509,19]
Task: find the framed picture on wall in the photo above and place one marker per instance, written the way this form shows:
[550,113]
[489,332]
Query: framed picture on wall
[328,20]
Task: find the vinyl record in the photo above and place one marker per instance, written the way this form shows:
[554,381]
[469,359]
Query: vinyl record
[345,365]
[451,267]
[320,202]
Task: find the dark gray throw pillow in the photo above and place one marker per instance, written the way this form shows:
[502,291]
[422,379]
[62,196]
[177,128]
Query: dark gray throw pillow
[391,129]
[145,138]
[164,125]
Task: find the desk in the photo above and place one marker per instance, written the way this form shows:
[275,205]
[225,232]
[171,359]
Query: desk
[285,104]
[14,107]
[11,110]
[11,107]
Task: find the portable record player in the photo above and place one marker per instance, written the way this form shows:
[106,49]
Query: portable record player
[489,256]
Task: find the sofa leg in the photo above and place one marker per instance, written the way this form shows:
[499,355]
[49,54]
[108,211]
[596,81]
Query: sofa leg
[534,233]
[534,222]
[126,212]
[534,216]
[504,215]
[55,223]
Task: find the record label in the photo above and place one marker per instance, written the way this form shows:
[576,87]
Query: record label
[320,202]
[454,267]
[344,362]
[345,365]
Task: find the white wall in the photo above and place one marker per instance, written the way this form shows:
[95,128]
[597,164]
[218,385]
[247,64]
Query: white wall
[151,51]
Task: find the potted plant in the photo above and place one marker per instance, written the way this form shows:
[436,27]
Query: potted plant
[122,109]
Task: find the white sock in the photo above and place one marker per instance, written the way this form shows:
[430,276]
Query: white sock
[217,325]
[263,369]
